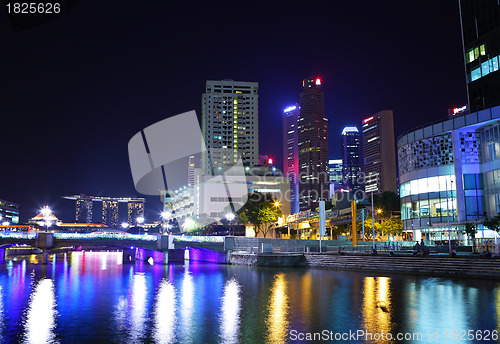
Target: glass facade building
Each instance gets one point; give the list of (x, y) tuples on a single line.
[(450, 172), (480, 21), (351, 161), (9, 212)]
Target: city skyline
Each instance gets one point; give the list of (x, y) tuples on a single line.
[(83, 112)]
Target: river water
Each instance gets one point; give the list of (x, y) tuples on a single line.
[(92, 297)]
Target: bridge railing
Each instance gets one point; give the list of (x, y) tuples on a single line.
[(82, 236), (199, 238)]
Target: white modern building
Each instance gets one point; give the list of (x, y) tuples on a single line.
[(449, 174), (230, 123)]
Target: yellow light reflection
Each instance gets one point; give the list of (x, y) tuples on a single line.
[(376, 308), (498, 309), (277, 321), (306, 295), (40, 320), (231, 307), (165, 313)]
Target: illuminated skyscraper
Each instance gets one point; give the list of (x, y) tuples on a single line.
[(110, 213), (83, 212), (379, 153), (335, 169), (480, 21), (312, 134), (351, 161), (291, 153), (230, 126), (135, 209)]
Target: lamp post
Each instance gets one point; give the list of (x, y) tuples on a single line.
[(46, 212), (165, 215), (125, 225), (373, 224), (140, 221), (448, 208), (230, 217)]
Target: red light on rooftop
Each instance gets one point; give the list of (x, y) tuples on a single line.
[(270, 161), (318, 81), (367, 120)]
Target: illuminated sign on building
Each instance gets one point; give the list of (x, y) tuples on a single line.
[(367, 120), (462, 110)]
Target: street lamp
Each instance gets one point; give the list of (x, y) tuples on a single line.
[(230, 217), (165, 215), (46, 212), (277, 204), (140, 221), (125, 225)]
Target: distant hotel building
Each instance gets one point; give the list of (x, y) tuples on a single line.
[(109, 214), (291, 153), (230, 123), (312, 134), (335, 169), (352, 178), (379, 153), (480, 21), (9, 212)]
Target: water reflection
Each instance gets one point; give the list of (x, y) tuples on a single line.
[(376, 307), (277, 321), (230, 308), (40, 319), (187, 300), (138, 316), (165, 313)]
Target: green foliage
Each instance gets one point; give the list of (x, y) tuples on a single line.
[(259, 211), (493, 223), (392, 226), (469, 230)]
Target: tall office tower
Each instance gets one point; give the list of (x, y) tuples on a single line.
[(351, 160), (481, 43), (379, 153), (312, 135), (291, 153), (83, 212), (230, 123), (335, 170), (110, 213), (134, 211)]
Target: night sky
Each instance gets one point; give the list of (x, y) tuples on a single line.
[(75, 89)]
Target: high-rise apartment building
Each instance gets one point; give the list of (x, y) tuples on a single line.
[(312, 135), (481, 42), (230, 123), (351, 160), (291, 153), (379, 153)]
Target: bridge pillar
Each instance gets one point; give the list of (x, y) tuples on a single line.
[(44, 240), (164, 242), (228, 244), (45, 257)]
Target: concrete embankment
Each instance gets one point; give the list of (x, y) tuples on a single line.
[(461, 266), (267, 259)]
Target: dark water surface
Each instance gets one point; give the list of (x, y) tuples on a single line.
[(92, 297)]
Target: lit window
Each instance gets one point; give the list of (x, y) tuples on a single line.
[(470, 56), (476, 53), (475, 74), (494, 64), (482, 50), (485, 68)]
